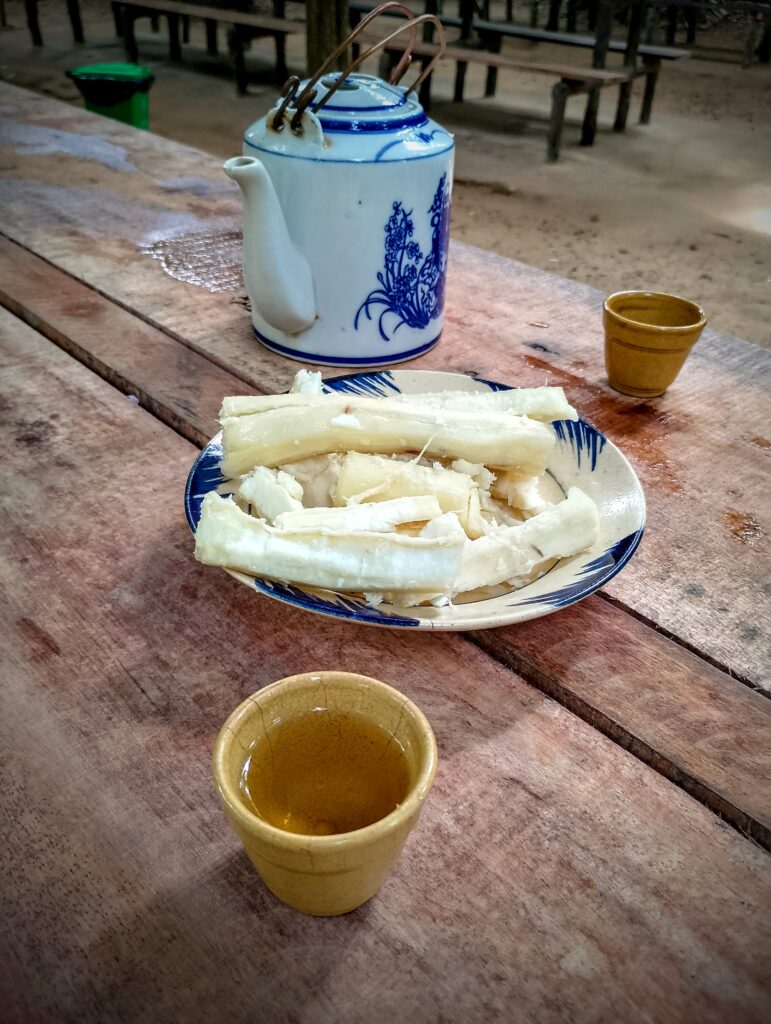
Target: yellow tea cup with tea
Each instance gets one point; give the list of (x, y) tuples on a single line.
[(648, 336), (323, 776)]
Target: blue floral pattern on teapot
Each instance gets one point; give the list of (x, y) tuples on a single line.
[(411, 284), (346, 220)]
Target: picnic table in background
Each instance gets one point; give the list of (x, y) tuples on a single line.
[(596, 843)]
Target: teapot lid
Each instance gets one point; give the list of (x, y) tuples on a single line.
[(366, 103), (365, 121)]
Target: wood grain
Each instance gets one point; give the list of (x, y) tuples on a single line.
[(174, 383), (694, 724), (130, 214), (552, 875)]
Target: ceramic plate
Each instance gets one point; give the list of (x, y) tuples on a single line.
[(583, 458)]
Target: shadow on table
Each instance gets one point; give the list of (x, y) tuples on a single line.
[(229, 641)]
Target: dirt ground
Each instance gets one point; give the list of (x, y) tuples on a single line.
[(683, 204)]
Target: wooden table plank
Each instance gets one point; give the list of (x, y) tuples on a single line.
[(705, 731), (551, 871), (177, 385), (144, 209)]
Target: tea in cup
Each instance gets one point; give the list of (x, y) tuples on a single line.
[(323, 776), (648, 336)]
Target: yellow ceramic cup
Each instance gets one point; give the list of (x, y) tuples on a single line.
[(324, 874), (648, 336)]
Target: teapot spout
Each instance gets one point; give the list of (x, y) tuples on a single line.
[(277, 276)]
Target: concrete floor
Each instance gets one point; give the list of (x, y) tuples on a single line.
[(683, 204)]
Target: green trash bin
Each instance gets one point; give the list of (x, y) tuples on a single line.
[(120, 91)]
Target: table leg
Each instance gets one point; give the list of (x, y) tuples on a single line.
[(559, 97), (622, 110), (636, 16), (73, 9), (185, 28), (690, 25), (129, 39), (460, 81), (651, 77), (589, 126), (651, 21), (553, 21), (30, 6), (175, 50), (466, 12), (491, 81), (599, 56), (211, 37), (763, 51), (571, 16), (672, 26), (424, 94), (533, 14), (117, 17), (282, 72), (239, 61)]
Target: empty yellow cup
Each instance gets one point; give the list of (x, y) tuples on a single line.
[(648, 336), (324, 874)]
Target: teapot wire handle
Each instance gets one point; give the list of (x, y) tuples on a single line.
[(308, 95)]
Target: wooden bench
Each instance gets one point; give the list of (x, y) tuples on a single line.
[(758, 15), (572, 81), (492, 33), (489, 37), (246, 26)]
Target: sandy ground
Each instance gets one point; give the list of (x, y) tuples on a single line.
[(683, 204)]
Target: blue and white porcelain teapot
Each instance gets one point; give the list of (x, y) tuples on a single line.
[(346, 189)]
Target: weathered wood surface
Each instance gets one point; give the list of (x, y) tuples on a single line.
[(694, 724), (552, 876), (140, 218), (174, 383)]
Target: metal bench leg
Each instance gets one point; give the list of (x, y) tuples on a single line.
[(460, 81), (651, 77), (129, 39), (622, 110), (572, 15), (553, 21), (211, 37), (690, 25), (30, 6), (425, 89), (282, 71), (763, 50), (491, 80), (589, 127), (175, 50), (155, 23), (117, 17), (559, 97), (239, 61), (636, 18), (73, 9)]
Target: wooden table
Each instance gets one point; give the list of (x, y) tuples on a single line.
[(595, 848)]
